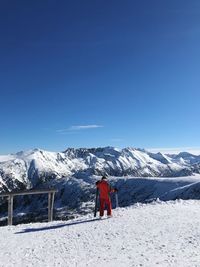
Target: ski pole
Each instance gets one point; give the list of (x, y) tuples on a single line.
[(96, 202), (116, 199)]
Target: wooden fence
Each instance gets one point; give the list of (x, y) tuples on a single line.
[(10, 195)]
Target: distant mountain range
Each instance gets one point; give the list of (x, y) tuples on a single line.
[(75, 171), (29, 168)]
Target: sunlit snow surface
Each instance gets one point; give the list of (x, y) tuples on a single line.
[(156, 234)]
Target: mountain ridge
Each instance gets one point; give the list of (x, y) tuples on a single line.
[(135, 172), (31, 168)]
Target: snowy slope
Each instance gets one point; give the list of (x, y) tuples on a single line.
[(76, 196), (157, 234)]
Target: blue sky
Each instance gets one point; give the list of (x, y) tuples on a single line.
[(99, 73)]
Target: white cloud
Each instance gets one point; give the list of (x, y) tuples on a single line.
[(78, 128), (83, 127)]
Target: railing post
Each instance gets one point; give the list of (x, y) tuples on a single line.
[(10, 209), (50, 206)]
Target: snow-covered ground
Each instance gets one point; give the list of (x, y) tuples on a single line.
[(156, 234)]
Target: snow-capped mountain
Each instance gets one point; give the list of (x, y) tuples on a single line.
[(29, 168), (75, 171)]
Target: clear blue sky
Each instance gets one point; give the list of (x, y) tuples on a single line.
[(98, 73)]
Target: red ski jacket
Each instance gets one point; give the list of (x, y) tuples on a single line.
[(104, 189)]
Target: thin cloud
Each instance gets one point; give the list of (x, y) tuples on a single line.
[(83, 127), (79, 128)]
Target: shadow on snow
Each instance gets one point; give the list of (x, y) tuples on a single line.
[(53, 227)]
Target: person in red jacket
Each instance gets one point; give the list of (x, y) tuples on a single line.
[(104, 196)]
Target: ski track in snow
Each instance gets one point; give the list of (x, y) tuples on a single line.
[(157, 234)]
